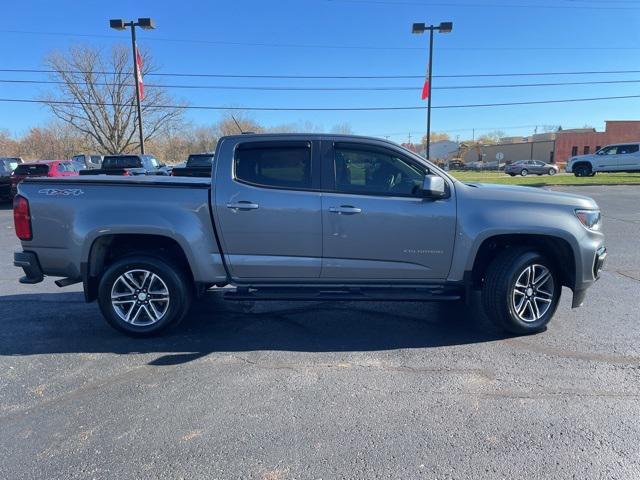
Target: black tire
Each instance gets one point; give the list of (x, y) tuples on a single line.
[(552, 171), (524, 172), (172, 279), (498, 297)]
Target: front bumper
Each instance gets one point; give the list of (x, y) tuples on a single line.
[(598, 264), (28, 261)]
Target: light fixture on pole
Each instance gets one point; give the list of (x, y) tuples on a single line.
[(420, 28), (145, 24)]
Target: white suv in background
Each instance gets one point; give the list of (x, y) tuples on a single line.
[(622, 157)]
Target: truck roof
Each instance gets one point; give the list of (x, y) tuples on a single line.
[(308, 136)]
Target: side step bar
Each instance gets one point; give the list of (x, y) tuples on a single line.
[(369, 294)]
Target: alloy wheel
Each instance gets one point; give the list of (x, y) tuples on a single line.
[(140, 297), (533, 293)]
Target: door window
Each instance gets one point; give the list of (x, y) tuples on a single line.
[(623, 149), (612, 150), (375, 173), (285, 166)]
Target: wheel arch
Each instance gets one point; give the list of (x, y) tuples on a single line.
[(106, 249), (557, 249)]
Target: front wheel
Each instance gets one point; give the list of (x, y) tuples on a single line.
[(524, 172), (143, 295), (521, 291), (552, 171)]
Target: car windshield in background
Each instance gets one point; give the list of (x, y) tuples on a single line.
[(121, 162), (200, 161), (31, 169)]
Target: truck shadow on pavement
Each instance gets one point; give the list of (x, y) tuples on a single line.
[(51, 323)]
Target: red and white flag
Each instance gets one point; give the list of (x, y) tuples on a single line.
[(140, 82), (426, 88)]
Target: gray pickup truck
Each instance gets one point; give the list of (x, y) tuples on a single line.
[(308, 217)]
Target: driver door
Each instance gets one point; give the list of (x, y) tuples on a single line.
[(376, 225)]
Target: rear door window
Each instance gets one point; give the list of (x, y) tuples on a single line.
[(285, 165), (624, 149)]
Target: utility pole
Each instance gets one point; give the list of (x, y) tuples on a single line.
[(146, 24)]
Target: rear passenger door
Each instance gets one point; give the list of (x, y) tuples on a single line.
[(268, 208), (628, 157)]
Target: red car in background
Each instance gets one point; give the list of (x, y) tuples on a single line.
[(43, 168)]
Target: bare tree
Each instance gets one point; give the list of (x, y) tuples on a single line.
[(97, 97)]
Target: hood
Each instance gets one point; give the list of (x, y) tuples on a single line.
[(520, 194), (591, 156)]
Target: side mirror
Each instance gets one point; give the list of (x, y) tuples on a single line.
[(433, 187)]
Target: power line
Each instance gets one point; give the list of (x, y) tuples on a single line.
[(316, 46), (328, 77), (320, 109), (354, 88), (482, 5)]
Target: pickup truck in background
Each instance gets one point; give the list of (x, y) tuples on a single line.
[(198, 165), (624, 157), (87, 162), (128, 165), (7, 166), (308, 217)]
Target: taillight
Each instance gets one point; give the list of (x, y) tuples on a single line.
[(22, 218), (126, 173)]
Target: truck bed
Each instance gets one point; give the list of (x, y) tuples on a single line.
[(142, 180)]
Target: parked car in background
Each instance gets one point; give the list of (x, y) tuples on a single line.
[(129, 165), (7, 166), (526, 167), (623, 157), (198, 165), (87, 162), (45, 168)]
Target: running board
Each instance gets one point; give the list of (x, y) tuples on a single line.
[(369, 294)]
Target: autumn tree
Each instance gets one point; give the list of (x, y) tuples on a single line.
[(96, 96), (435, 137)]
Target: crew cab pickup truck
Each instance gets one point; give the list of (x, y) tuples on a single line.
[(198, 165), (308, 217), (128, 165), (624, 157)]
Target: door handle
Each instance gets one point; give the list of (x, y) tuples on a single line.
[(345, 210), (242, 205)]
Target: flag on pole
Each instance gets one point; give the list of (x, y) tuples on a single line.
[(139, 79), (426, 88)]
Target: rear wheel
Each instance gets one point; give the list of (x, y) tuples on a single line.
[(524, 172), (520, 292), (143, 295)]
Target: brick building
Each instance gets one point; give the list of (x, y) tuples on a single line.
[(583, 141)]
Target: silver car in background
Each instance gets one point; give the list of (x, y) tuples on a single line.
[(525, 167)]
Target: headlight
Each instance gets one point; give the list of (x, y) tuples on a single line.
[(591, 219)]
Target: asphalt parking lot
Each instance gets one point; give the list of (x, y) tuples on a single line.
[(282, 390)]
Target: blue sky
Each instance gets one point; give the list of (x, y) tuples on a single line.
[(326, 37)]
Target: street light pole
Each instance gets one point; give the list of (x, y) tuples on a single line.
[(419, 28), (135, 80), (147, 24), (429, 97)]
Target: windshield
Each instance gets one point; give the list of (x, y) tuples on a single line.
[(123, 161)]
